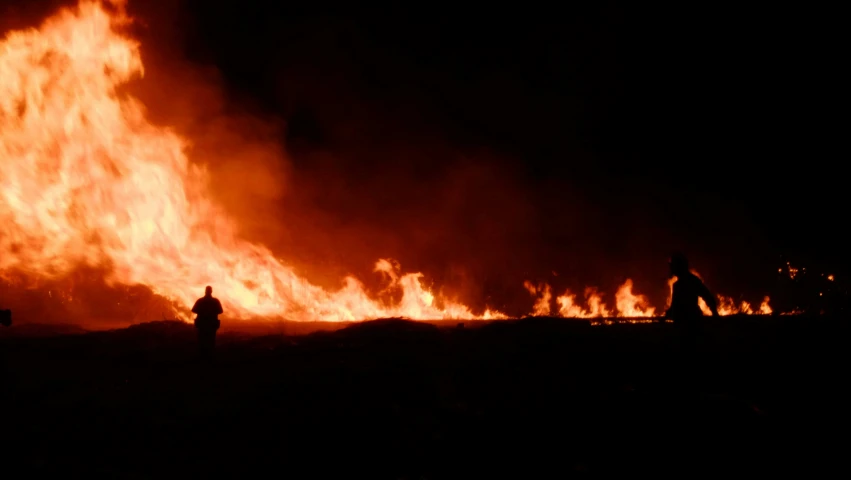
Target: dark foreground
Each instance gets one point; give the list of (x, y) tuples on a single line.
[(391, 399)]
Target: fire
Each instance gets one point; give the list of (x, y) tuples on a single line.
[(569, 308), (87, 180), (542, 304), (764, 307), (726, 305), (627, 303), (631, 305)]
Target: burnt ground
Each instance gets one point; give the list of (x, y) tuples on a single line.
[(392, 399)]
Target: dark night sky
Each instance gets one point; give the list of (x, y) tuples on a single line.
[(675, 110), (627, 131)]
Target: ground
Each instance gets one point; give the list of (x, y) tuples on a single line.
[(397, 399)]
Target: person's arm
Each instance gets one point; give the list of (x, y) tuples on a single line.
[(195, 307), (710, 300), (219, 307)]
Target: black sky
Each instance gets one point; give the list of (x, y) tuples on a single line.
[(627, 130), (723, 101)]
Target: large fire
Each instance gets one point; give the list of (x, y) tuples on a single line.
[(87, 181)]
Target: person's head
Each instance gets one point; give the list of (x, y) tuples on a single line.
[(208, 291), (678, 264)]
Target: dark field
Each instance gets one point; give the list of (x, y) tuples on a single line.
[(536, 398)]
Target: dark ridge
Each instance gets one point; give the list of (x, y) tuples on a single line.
[(41, 330), (389, 325)]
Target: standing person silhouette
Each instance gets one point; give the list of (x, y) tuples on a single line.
[(685, 310), (207, 308)]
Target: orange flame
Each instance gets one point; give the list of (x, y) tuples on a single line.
[(726, 305), (568, 308), (764, 307), (631, 305), (542, 304), (594, 301), (627, 303), (86, 180)]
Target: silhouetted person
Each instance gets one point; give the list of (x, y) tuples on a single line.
[(685, 310), (207, 310)]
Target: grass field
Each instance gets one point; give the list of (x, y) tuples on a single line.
[(531, 398)]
